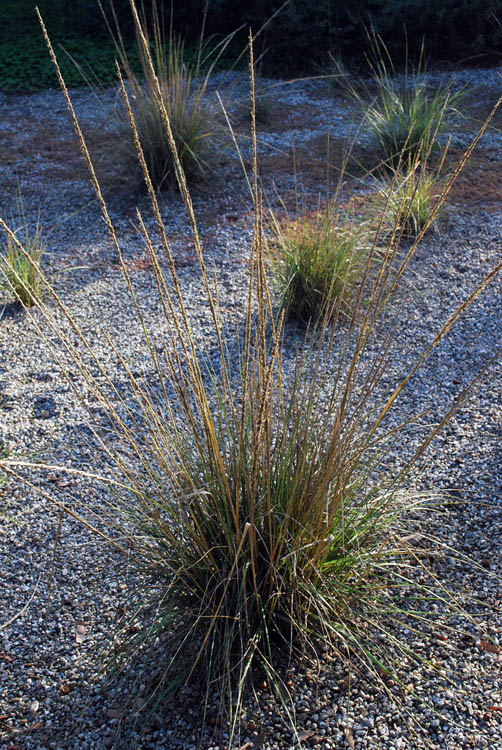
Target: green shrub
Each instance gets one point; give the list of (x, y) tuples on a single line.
[(24, 63), (255, 501), (315, 260), (301, 33), (304, 29)]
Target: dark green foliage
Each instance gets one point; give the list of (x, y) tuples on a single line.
[(452, 30), (294, 40), (25, 66), (24, 62), (76, 27), (62, 17)]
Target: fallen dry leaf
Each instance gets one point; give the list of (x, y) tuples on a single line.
[(350, 737), (490, 647), (6, 657), (65, 689), (13, 747)]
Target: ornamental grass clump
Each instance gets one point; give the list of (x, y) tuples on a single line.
[(182, 82), (315, 261), (20, 256), (405, 115), (264, 106), (252, 492), (408, 200), (412, 200), (336, 72)]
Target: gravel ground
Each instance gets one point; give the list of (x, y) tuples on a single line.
[(61, 590)]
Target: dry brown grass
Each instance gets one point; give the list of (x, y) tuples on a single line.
[(480, 184)]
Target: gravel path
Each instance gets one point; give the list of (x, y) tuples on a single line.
[(62, 590)]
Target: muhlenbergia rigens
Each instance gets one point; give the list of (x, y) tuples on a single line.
[(251, 492)]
